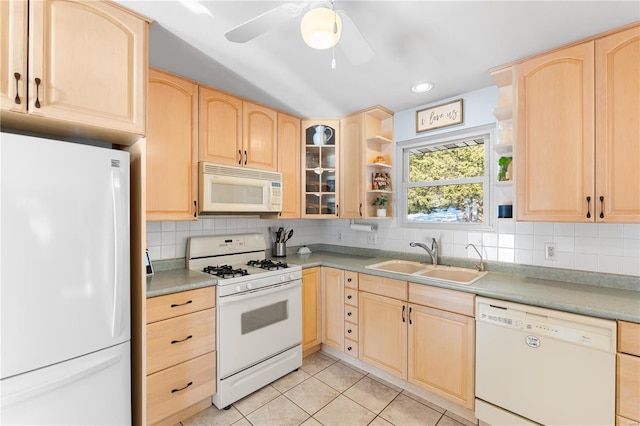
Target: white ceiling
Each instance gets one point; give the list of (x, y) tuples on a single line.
[(451, 43)]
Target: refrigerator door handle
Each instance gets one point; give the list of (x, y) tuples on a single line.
[(119, 207), (52, 385)]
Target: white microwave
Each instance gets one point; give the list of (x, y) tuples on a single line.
[(238, 190)]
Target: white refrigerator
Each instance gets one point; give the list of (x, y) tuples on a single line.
[(64, 283)]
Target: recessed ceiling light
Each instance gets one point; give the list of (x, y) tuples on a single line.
[(422, 87)]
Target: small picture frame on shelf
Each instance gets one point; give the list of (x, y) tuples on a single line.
[(380, 181)]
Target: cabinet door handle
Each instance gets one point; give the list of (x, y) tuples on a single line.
[(178, 390), (337, 210), (349, 297), (403, 308), (601, 207), (195, 208), (245, 157), (360, 209), (349, 314), (349, 331), (17, 99), (410, 309), (349, 348), (240, 157), (348, 280), (38, 92), (173, 342), (588, 207), (175, 305)]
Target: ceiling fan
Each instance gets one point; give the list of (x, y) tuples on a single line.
[(322, 27)]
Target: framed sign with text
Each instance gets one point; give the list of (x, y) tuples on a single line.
[(438, 116)]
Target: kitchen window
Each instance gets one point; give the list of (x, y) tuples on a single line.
[(445, 180)]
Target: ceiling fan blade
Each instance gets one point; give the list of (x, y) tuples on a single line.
[(263, 23), (352, 42)]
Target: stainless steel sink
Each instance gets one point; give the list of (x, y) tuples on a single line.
[(452, 274), (398, 266), (444, 273)]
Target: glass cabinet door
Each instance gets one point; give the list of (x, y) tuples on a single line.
[(320, 165)]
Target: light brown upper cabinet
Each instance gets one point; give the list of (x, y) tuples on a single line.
[(351, 170), (289, 164), (87, 68), (260, 137), (220, 127), (236, 132), (320, 168), (565, 171), (172, 147)]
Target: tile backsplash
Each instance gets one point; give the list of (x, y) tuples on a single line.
[(608, 248)]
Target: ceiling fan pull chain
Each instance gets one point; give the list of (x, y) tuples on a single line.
[(333, 58)]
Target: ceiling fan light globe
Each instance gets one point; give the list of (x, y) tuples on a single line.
[(317, 27)]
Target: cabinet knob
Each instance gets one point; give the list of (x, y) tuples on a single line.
[(349, 297), (349, 348), (349, 314), (348, 280), (349, 331), (601, 207), (17, 99), (37, 104)]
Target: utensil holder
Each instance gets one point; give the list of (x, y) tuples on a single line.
[(279, 249)]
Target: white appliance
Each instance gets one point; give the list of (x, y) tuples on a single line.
[(540, 366), (64, 283), (225, 189), (258, 313)]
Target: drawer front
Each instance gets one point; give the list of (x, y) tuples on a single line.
[(629, 337), (351, 297), (351, 331), (395, 289), (176, 304), (351, 314), (628, 387), (442, 298), (176, 388), (351, 347), (175, 340), (351, 279)]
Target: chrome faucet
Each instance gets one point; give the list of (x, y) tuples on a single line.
[(479, 266), (433, 251)]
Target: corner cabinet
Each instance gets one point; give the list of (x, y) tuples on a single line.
[(566, 172), (87, 65), (320, 171), (366, 163), (172, 147)]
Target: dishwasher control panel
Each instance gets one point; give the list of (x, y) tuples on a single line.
[(537, 322)]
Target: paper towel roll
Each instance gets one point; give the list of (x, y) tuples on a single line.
[(361, 227)]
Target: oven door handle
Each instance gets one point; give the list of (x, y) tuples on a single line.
[(226, 300)]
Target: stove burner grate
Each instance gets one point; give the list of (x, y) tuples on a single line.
[(267, 264), (225, 271)]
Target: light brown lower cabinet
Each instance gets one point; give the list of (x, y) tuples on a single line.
[(311, 311), (628, 374), (333, 308), (422, 334), (181, 356)]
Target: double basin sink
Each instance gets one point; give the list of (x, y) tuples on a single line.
[(444, 273)]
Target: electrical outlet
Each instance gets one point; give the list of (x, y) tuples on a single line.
[(550, 251), (372, 238), (340, 236)]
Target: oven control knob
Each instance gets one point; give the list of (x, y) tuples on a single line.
[(237, 289), (291, 276), (282, 278), (249, 286)]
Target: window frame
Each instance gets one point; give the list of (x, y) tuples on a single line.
[(402, 175)]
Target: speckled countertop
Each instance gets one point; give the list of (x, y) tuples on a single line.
[(598, 295)]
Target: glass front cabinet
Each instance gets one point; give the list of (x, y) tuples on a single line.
[(320, 168)]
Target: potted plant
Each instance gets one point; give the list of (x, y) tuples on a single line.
[(503, 172), (381, 202)]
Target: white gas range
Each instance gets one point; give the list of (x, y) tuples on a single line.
[(258, 312)]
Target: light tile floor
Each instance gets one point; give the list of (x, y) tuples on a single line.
[(326, 391)]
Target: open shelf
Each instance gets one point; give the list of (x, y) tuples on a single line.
[(379, 139)]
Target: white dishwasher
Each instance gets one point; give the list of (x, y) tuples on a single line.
[(541, 366)]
